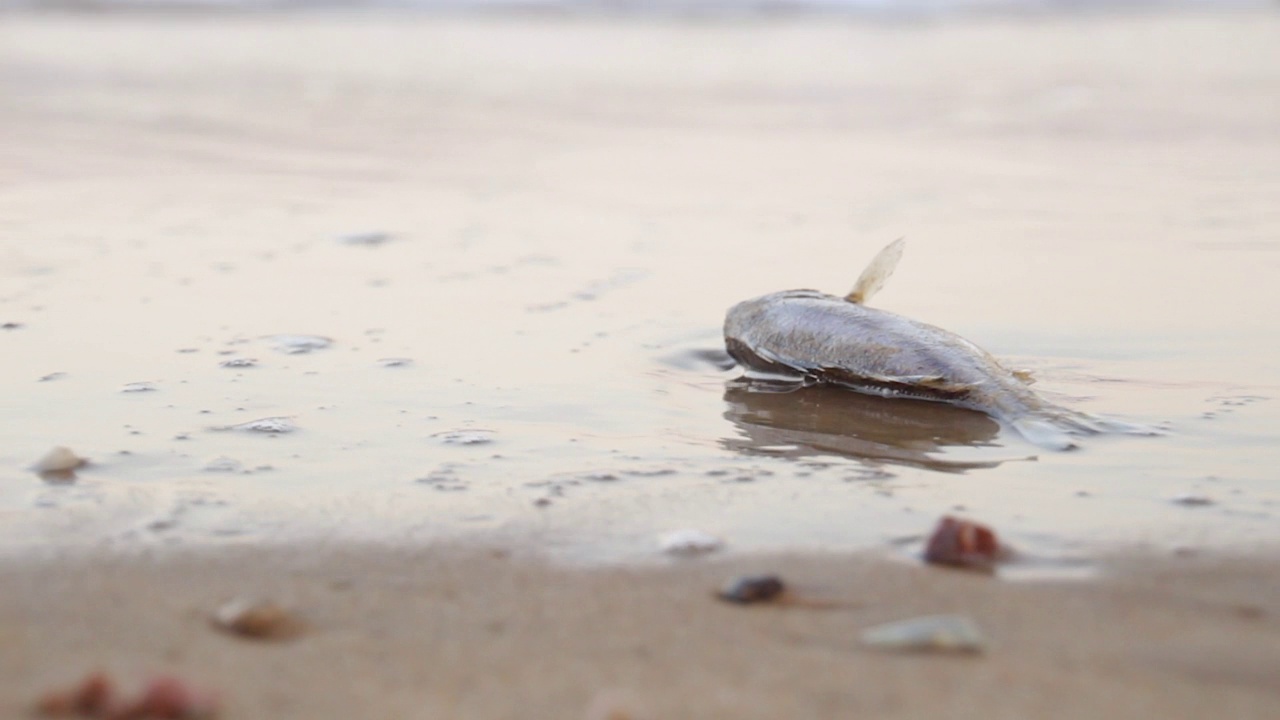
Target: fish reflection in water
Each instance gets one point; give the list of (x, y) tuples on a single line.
[(796, 422)]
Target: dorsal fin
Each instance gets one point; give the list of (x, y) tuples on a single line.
[(878, 270)]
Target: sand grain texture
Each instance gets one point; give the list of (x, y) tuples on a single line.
[(450, 632)]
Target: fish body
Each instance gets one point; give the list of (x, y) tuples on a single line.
[(816, 337)]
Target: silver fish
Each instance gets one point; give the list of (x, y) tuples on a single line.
[(812, 337)]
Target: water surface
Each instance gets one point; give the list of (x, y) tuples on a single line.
[(475, 270)]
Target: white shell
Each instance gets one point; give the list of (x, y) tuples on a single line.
[(953, 633), (256, 619), (689, 542), (59, 460)]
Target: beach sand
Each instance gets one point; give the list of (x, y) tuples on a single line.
[(151, 163), (462, 633)]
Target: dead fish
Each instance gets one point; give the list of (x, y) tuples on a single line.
[(811, 337)]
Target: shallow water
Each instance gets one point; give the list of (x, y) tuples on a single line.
[(474, 283)]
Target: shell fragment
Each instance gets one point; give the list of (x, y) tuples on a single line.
[(931, 633)]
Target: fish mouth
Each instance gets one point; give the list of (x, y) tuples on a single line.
[(755, 363)]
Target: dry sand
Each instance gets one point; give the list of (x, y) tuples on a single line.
[(237, 131)]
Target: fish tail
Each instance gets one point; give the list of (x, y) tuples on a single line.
[(1047, 432), (1056, 428)]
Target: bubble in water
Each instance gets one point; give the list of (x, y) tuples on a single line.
[(444, 478), (739, 475), (650, 472), (368, 239), (299, 344), (465, 437), (270, 425), (223, 465)]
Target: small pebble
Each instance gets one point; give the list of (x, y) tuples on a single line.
[(171, 699), (750, 589), (92, 696), (260, 620), (1191, 500), (163, 698)]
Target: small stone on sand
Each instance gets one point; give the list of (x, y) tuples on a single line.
[(750, 589), (259, 620)]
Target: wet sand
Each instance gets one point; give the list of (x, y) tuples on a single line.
[(547, 219), (449, 632), (569, 207)]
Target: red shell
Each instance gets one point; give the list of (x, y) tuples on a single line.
[(169, 698), (90, 698), (961, 543), (162, 698)]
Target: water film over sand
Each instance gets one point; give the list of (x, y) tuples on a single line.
[(417, 279)]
